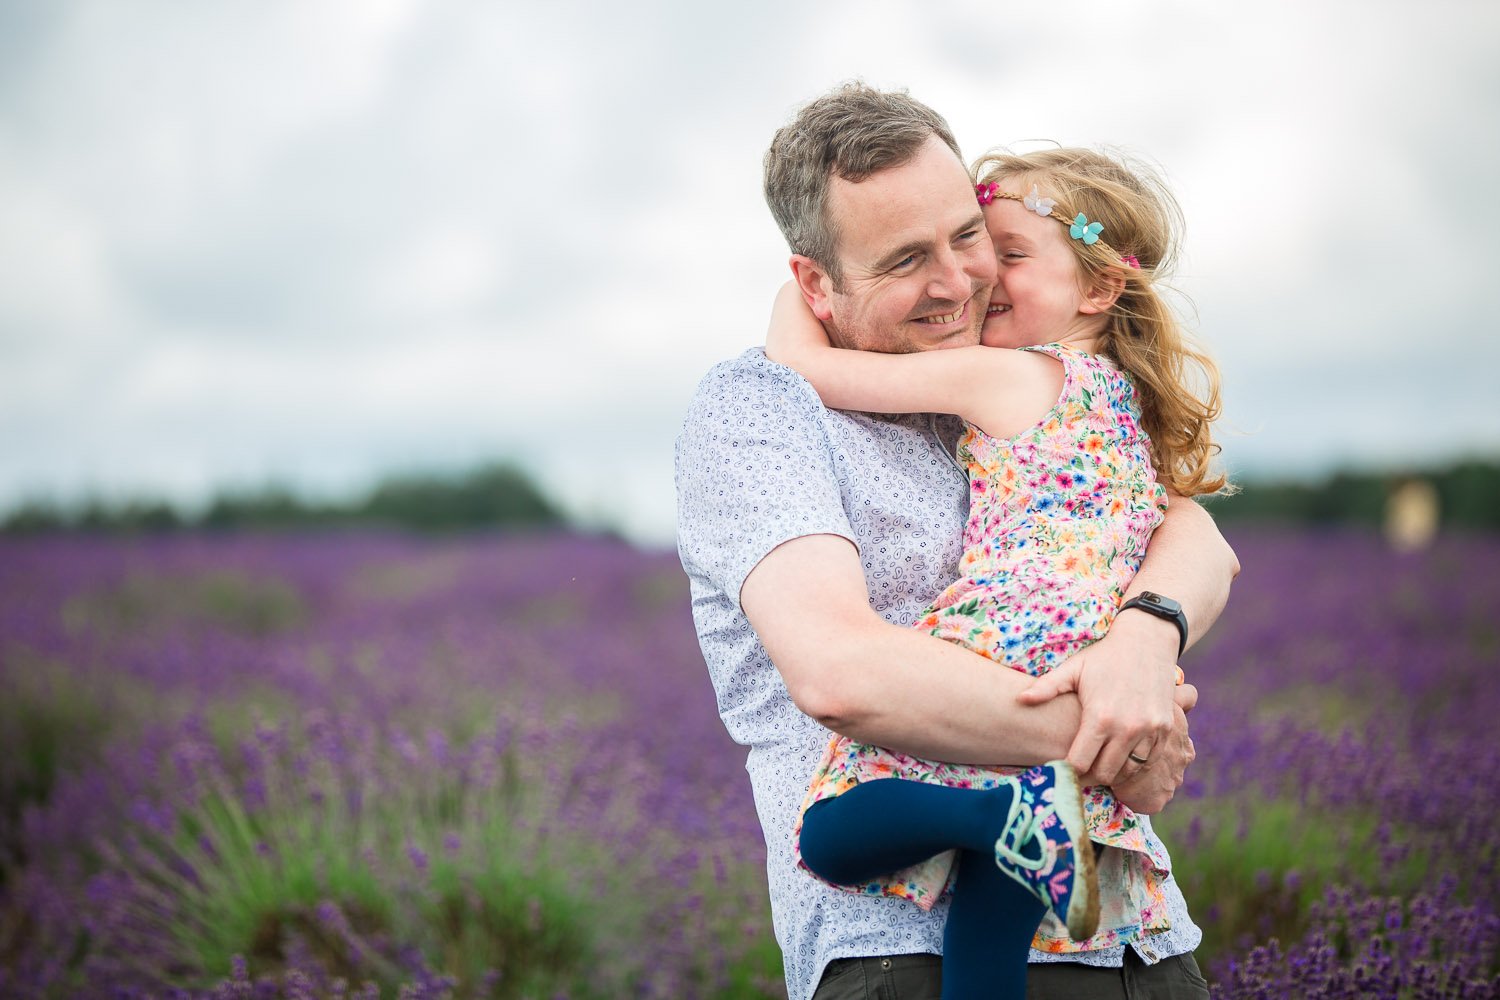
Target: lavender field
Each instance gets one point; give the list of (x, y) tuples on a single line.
[(354, 765)]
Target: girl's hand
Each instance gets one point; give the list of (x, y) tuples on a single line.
[(795, 335)]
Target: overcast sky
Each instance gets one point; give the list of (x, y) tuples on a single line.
[(311, 243)]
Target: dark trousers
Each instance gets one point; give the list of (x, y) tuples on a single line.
[(920, 977)]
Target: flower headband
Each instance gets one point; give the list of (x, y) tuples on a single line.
[(1079, 229)]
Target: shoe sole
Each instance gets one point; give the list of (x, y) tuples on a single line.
[(1083, 908)]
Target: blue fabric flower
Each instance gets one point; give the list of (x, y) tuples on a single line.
[(1083, 229)]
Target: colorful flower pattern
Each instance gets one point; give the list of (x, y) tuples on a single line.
[(1059, 518)]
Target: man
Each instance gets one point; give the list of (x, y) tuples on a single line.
[(813, 538)]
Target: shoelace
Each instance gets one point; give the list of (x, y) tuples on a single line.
[(1020, 828)]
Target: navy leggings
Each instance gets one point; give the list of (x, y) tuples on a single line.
[(879, 827)]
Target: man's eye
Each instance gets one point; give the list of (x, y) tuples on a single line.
[(904, 262), (968, 237)]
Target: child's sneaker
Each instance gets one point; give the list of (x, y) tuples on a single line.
[(1045, 846)]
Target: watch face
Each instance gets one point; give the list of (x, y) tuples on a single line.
[(1165, 603)]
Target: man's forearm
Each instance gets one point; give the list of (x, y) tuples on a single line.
[(917, 694), (884, 684)]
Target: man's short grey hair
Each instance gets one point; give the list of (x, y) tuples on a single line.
[(851, 133)]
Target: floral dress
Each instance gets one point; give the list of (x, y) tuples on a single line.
[(1059, 518)]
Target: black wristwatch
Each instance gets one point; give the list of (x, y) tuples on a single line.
[(1161, 607)]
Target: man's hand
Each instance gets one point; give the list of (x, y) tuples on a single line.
[(1125, 684), (1151, 787)]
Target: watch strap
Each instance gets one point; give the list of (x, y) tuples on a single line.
[(1164, 608)]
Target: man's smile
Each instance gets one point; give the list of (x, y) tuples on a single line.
[(952, 317)]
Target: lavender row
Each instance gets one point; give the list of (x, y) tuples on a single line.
[(1337, 836), (323, 765), (526, 717)]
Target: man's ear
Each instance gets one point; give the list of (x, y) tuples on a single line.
[(815, 285), (1107, 289)]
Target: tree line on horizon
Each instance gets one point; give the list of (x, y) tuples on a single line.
[(498, 495), (502, 496), (1467, 495)]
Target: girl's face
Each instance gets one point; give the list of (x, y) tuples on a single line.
[(1038, 298)]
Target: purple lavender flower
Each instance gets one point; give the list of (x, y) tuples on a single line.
[(388, 762)]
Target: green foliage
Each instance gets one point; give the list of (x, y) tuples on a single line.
[(1469, 494), (758, 973), (324, 864), (1254, 867), (55, 717), (49, 722), (344, 858), (530, 927), (1468, 497), (224, 599), (271, 508), (498, 495)]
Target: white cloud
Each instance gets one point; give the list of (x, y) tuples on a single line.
[(314, 241), (447, 270), (58, 282)]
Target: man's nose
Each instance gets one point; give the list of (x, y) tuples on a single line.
[(949, 280)]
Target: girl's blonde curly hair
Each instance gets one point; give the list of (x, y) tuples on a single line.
[(1177, 383)]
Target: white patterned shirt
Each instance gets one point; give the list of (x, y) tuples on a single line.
[(760, 461)]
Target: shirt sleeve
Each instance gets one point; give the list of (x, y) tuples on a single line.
[(755, 468)]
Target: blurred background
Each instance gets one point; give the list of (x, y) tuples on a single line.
[(299, 248), (460, 265)]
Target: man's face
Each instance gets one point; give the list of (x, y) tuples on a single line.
[(917, 262)]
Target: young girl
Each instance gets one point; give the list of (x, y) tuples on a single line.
[(1072, 436)]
